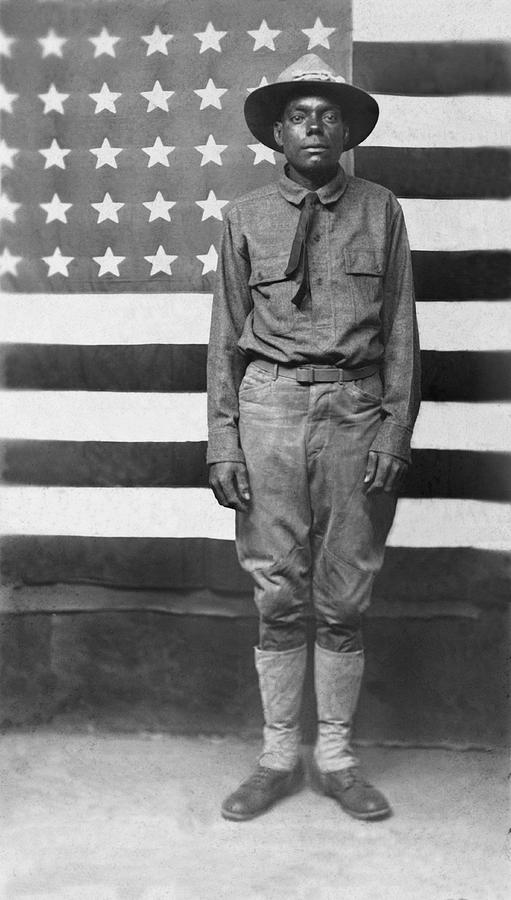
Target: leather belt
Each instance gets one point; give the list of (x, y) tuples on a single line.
[(313, 374)]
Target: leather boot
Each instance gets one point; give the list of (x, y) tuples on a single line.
[(281, 675), (357, 797), (338, 677), (260, 791)]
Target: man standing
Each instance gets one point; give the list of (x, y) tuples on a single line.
[(313, 384)]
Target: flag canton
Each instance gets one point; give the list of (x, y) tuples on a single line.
[(123, 135)]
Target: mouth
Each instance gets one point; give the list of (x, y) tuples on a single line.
[(316, 148)]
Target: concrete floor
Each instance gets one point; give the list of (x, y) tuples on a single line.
[(109, 817)]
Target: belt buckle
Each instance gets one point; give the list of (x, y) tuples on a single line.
[(305, 375)]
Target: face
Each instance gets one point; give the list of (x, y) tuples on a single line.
[(312, 135)]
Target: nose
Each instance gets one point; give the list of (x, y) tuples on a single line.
[(314, 124)]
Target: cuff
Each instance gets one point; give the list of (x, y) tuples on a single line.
[(224, 446), (393, 439)]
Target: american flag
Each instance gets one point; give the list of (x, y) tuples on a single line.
[(122, 141)]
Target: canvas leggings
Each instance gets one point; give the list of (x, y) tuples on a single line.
[(311, 535)]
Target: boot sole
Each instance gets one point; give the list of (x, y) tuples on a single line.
[(295, 787)]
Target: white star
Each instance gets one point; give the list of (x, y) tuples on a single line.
[(108, 262), (57, 264), (210, 95), (106, 154), (157, 97), (211, 207), (104, 43), (211, 151), (9, 263), (209, 260), (7, 154), (107, 209), (54, 155), (8, 208), (262, 153), (56, 210), (53, 101), (161, 261), (52, 44), (264, 36), (5, 45), (318, 35), (210, 39), (158, 153), (262, 83), (105, 99), (157, 41), (6, 99), (159, 208)]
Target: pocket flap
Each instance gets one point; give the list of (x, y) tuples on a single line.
[(363, 261), (269, 270)]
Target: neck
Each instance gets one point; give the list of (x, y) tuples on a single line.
[(312, 180)]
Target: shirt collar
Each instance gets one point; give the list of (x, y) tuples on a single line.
[(328, 193)]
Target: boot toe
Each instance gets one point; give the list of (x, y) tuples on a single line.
[(358, 798), (260, 791)]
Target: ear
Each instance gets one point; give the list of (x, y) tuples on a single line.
[(346, 135), (277, 133)]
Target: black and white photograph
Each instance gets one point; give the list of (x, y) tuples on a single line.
[(255, 445)]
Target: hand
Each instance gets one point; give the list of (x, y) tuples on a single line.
[(229, 483), (384, 472)]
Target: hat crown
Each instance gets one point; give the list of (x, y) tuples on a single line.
[(309, 68)]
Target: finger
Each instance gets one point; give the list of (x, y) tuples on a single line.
[(379, 477), (242, 484), (217, 489), (372, 463), (392, 476), (233, 500)]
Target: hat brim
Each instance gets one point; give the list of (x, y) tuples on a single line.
[(264, 106)]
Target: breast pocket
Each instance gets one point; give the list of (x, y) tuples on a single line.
[(272, 294), (364, 269)]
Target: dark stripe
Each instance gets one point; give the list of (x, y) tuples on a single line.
[(445, 574), (105, 464), (462, 275), (460, 474), (432, 69), (466, 376), (435, 473), (145, 367), (438, 173), (447, 376)]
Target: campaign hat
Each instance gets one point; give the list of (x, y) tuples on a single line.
[(310, 75)]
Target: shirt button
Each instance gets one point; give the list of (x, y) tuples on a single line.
[(319, 281), (317, 237)]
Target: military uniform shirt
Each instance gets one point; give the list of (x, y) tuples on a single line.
[(360, 308)]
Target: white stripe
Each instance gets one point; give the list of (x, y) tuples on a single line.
[(452, 225), (431, 20), (114, 319), (102, 416), (464, 121), (105, 318), (111, 416), (475, 325), (436, 522), (193, 512), (464, 426)]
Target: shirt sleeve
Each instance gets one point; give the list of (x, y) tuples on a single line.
[(232, 304), (401, 365)]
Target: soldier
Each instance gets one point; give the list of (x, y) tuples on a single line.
[(313, 391)]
